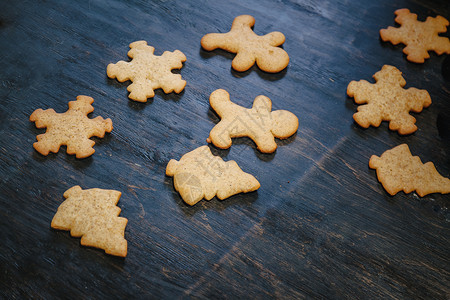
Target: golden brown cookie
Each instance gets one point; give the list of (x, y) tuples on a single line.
[(387, 100), (259, 123), (398, 170), (199, 174), (72, 128), (249, 47), (419, 37), (148, 71), (93, 215)]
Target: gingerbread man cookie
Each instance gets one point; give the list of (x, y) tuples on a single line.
[(148, 71), (259, 123), (398, 170), (72, 128), (249, 47), (387, 100), (419, 37), (199, 174), (93, 215)]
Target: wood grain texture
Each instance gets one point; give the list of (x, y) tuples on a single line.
[(320, 226)]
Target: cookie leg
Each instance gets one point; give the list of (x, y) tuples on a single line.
[(243, 61), (220, 136), (265, 142)]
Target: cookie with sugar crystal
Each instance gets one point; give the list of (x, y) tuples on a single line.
[(259, 123), (148, 71), (419, 37), (199, 174), (398, 170), (249, 47), (72, 128), (93, 215), (387, 100)]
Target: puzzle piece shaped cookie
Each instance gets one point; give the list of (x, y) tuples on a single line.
[(72, 128), (419, 37), (93, 215), (148, 71), (249, 47), (387, 100), (258, 123), (199, 174), (398, 170)]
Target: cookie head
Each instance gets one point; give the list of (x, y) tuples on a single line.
[(284, 124)]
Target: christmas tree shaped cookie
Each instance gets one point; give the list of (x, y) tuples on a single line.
[(148, 71), (419, 37), (199, 174), (249, 47), (93, 215), (387, 100), (259, 123), (399, 171), (72, 128)]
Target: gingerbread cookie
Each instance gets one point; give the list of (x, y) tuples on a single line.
[(199, 174), (249, 47), (93, 215), (419, 37), (148, 71), (398, 170), (258, 123), (387, 100), (72, 128)]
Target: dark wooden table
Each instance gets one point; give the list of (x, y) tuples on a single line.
[(320, 226)]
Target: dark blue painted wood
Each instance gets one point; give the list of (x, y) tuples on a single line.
[(320, 226)]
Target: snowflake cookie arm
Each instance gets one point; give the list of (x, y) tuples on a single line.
[(171, 82), (441, 44), (367, 114), (45, 143)]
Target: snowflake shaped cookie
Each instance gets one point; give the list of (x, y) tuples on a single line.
[(387, 100), (72, 128), (419, 37), (148, 71), (249, 46)]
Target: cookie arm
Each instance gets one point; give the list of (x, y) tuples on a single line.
[(220, 101), (274, 38), (212, 41)]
